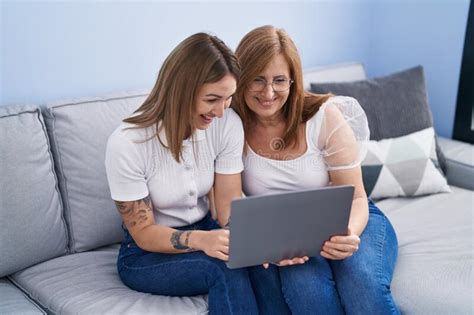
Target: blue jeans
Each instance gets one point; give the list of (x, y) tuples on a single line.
[(195, 273), (359, 284)]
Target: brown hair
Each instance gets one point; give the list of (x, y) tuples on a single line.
[(201, 58), (255, 51)]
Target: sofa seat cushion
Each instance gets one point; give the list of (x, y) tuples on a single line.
[(433, 274), (14, 301), (88, 283)]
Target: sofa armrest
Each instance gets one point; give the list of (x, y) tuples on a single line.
[(459, 162)]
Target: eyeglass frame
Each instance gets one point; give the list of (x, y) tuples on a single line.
[(291, 81)]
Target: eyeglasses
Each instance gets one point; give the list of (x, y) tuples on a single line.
[(278, 85)]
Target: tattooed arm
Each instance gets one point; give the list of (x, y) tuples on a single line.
[(226, 188), (138, 218)]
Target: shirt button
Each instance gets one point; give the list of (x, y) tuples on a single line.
[(188, 168), (191, 193), (191, 207)]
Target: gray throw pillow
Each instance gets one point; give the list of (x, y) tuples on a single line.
[(396, 105)]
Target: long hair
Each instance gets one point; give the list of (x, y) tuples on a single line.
[(199, 59), (255, 51)]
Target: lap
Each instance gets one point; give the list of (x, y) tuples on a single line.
[(377, 251)]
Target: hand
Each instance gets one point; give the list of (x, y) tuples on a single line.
[(340, 247), (289, 262), (214, 243)]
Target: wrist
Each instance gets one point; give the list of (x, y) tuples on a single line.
[(195, 239)]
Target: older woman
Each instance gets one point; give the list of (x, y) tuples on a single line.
[(298, 140)]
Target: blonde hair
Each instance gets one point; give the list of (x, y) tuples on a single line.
[(255, 51), (199, 59)]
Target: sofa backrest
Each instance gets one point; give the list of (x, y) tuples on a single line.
[(32, 228), (79, 130), (341, 72)]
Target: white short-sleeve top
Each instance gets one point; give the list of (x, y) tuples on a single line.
[(137, 168), (335, 118)]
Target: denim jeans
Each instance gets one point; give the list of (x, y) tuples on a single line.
[(195, 273), (359, 284)]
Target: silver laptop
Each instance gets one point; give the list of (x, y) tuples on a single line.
[(270, 228)]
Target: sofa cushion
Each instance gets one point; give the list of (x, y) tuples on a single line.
[(88, 283), (340, 72), (14, 301), (433, 274), (32, 228), (79, 130), (395, 105), (403, 166)]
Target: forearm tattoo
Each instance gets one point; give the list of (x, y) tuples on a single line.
[(134, 212), (176, 240)]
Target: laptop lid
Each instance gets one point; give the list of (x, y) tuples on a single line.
[(270, 228)]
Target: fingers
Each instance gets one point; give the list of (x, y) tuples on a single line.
[(347, 239), (223, 248), (293, 261), (330, 256), (335, 254), (288, 262), (341, 247), (223, 237), (220, 255)]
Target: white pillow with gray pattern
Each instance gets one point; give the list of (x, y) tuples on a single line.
[(403, 166)]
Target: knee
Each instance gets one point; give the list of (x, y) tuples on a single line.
[(310, 282), (366, 292)]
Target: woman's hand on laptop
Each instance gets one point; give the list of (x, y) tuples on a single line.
[(214, 243), (289, 262), (341, 246)]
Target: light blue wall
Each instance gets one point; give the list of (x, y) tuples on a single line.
[(64, 49), (431, 33), (56, 50)]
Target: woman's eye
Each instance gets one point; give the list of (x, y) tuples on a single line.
[(258, 80), (280, 80), (211, 101)]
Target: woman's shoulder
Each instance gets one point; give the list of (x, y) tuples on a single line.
[(230, 119), (340, 101), (337, 110), (338, 105), (126, 134)]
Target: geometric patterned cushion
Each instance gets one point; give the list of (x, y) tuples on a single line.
[(403, 166)]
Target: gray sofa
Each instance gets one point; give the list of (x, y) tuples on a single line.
[(60, 232)]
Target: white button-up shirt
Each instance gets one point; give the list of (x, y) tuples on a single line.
[(137, 168)]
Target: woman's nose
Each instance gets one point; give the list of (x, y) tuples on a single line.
[(268, 91), (219, 109)]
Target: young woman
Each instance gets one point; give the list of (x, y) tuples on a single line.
[(161, 163), (298, 140)]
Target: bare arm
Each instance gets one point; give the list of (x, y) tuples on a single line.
[(138, 218), (226, 188), (359, 210), (342, 157), (343, 150)]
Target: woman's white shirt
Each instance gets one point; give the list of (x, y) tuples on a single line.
[(137, 168), (325, 151)]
